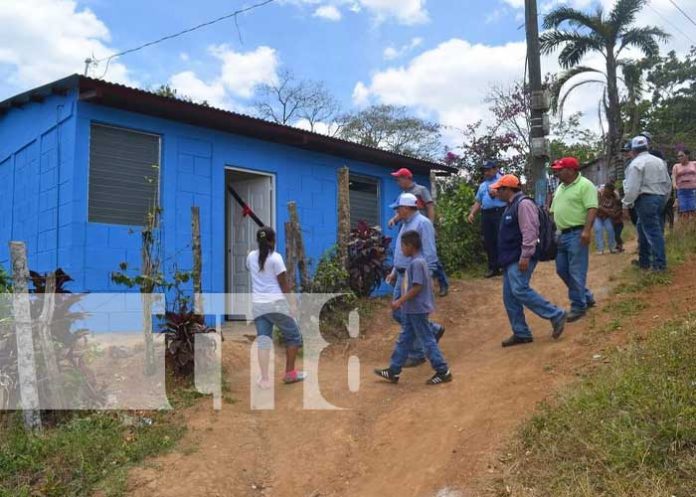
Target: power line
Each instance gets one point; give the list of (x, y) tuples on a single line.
[(682, 11), (671, 23), (92, 61)]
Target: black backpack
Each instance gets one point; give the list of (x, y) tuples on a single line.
[(546, 248)]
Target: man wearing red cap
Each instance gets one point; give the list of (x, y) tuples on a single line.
[(574, 209), (426, 206)]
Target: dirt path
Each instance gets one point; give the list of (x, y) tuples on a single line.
[(405, 440)]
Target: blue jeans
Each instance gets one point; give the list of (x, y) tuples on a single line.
[(417, 328), (438, 272), (417, 352), (275, 314), (517, 294), (651, 235), (572, 262), (600, 226)]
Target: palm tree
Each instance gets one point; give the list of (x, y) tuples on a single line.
[(577, 34)]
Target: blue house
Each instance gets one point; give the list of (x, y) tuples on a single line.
[(82, 160)]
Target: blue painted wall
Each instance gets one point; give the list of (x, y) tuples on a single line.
[(49, 196), (37, 156)]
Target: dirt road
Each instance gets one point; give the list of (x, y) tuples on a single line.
[(405, 440)]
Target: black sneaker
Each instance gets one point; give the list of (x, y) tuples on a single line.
[(515, 340), (444, 291), (591, 303), (387, 374), (573, 316), (492, 273), (559, 326), (413, 363), (438, 378), (439, 333)]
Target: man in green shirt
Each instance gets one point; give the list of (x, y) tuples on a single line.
[(574, 209)]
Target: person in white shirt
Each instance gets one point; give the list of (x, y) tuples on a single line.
[(648, 188), (269, 284)]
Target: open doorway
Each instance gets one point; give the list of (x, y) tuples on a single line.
[(257, 191)]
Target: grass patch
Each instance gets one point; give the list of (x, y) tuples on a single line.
[(88, 451), (628, 430), (625, 308)]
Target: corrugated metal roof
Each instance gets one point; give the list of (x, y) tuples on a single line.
[(145, 102)]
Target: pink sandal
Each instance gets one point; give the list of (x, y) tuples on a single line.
[(294, 376)]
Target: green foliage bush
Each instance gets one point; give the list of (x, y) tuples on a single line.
[(459, 243)]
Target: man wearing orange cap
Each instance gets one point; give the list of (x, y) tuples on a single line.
[(574, 209), (518, 238)]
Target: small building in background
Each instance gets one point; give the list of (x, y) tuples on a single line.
[(83, 160)]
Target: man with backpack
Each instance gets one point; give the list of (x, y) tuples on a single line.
[(526, 236)]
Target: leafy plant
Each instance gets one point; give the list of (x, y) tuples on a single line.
[(459, 243), (180, 330), (5, 281), (367, 259), (72, 356)]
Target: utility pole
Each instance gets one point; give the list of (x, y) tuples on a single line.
[(539, 105)]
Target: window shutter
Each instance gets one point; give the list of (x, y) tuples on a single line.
[(123, 175), (364, 200)]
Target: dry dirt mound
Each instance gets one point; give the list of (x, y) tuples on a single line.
[(405, 440)]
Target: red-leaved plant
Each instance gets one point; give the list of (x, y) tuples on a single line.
[(368, 249)]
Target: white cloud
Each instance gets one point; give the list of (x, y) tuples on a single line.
[(44, 40), (408, 12), (243, 72), (328, 12), (240, 74), (450, 82), (184, 57), (190, 85), (391, 53)]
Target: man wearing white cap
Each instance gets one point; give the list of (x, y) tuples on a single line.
[(648, 188), (412, 220)]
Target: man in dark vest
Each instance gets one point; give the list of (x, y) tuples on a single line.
[(517, 246)]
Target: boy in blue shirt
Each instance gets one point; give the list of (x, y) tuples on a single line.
[(416, 303)]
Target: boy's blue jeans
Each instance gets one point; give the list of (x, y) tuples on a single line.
[(572, 262), (417, 353), (600, 226), (517, 294), (651, 235), (417, 328)]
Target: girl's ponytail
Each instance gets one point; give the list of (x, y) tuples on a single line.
[(265, 237)]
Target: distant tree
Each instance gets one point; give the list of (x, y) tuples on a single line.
[(167, 91), (577, 34), (671, 110), (291, 100), (393, 128), (569, 138)]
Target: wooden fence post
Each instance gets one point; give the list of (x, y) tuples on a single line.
[(26, 360), (146, 290), (48, 349), (343, 214), (197, 259), (299, 245), (291, 254)]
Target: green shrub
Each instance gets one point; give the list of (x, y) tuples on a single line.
[(459, 243), (626, 431)]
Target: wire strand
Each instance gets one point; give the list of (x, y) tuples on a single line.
[(682, 11), (180, 33), (664, 18)]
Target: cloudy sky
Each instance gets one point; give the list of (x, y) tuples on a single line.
[(438, 57)]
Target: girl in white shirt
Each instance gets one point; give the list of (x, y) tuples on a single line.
[(269, 284)]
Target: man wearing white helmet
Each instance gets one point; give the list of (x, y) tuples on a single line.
[(648, 188), (412, 220)]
